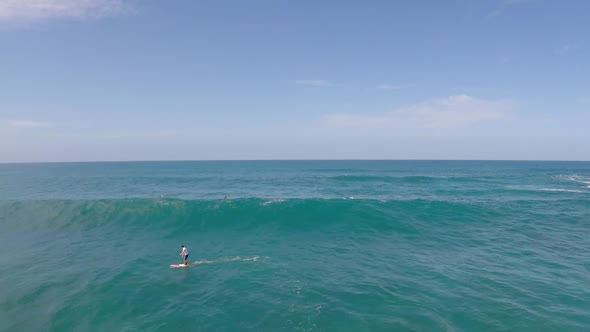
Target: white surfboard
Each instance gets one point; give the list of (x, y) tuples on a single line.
[(175, 266)]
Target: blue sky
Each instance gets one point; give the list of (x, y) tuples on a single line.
[(266, 79)]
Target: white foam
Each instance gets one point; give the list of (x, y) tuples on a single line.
[(229, 259), (273, 201), (562, 190), (580, 179)]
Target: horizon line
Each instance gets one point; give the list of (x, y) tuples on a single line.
[(283, 160)]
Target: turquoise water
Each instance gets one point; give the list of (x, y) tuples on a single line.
[(296, 246)]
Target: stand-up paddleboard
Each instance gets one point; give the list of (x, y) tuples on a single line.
[(175, 266)]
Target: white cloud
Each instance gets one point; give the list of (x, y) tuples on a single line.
[(38, 10), (136, 134), (506, 3), (450, 112), (28, 124), (393, 87), (568, 48), (515, 2), (122, 134), (322, 83)]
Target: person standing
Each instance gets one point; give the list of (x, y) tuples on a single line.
[(184, 254)]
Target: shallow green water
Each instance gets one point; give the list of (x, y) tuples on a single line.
[(296, 246)]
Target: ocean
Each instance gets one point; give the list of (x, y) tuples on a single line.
[(296, 246)]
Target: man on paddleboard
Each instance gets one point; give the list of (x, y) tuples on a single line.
[(184, 254)]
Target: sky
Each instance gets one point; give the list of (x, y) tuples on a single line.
[(109, 80)]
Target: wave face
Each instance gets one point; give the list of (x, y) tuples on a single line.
[(295, 246)]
